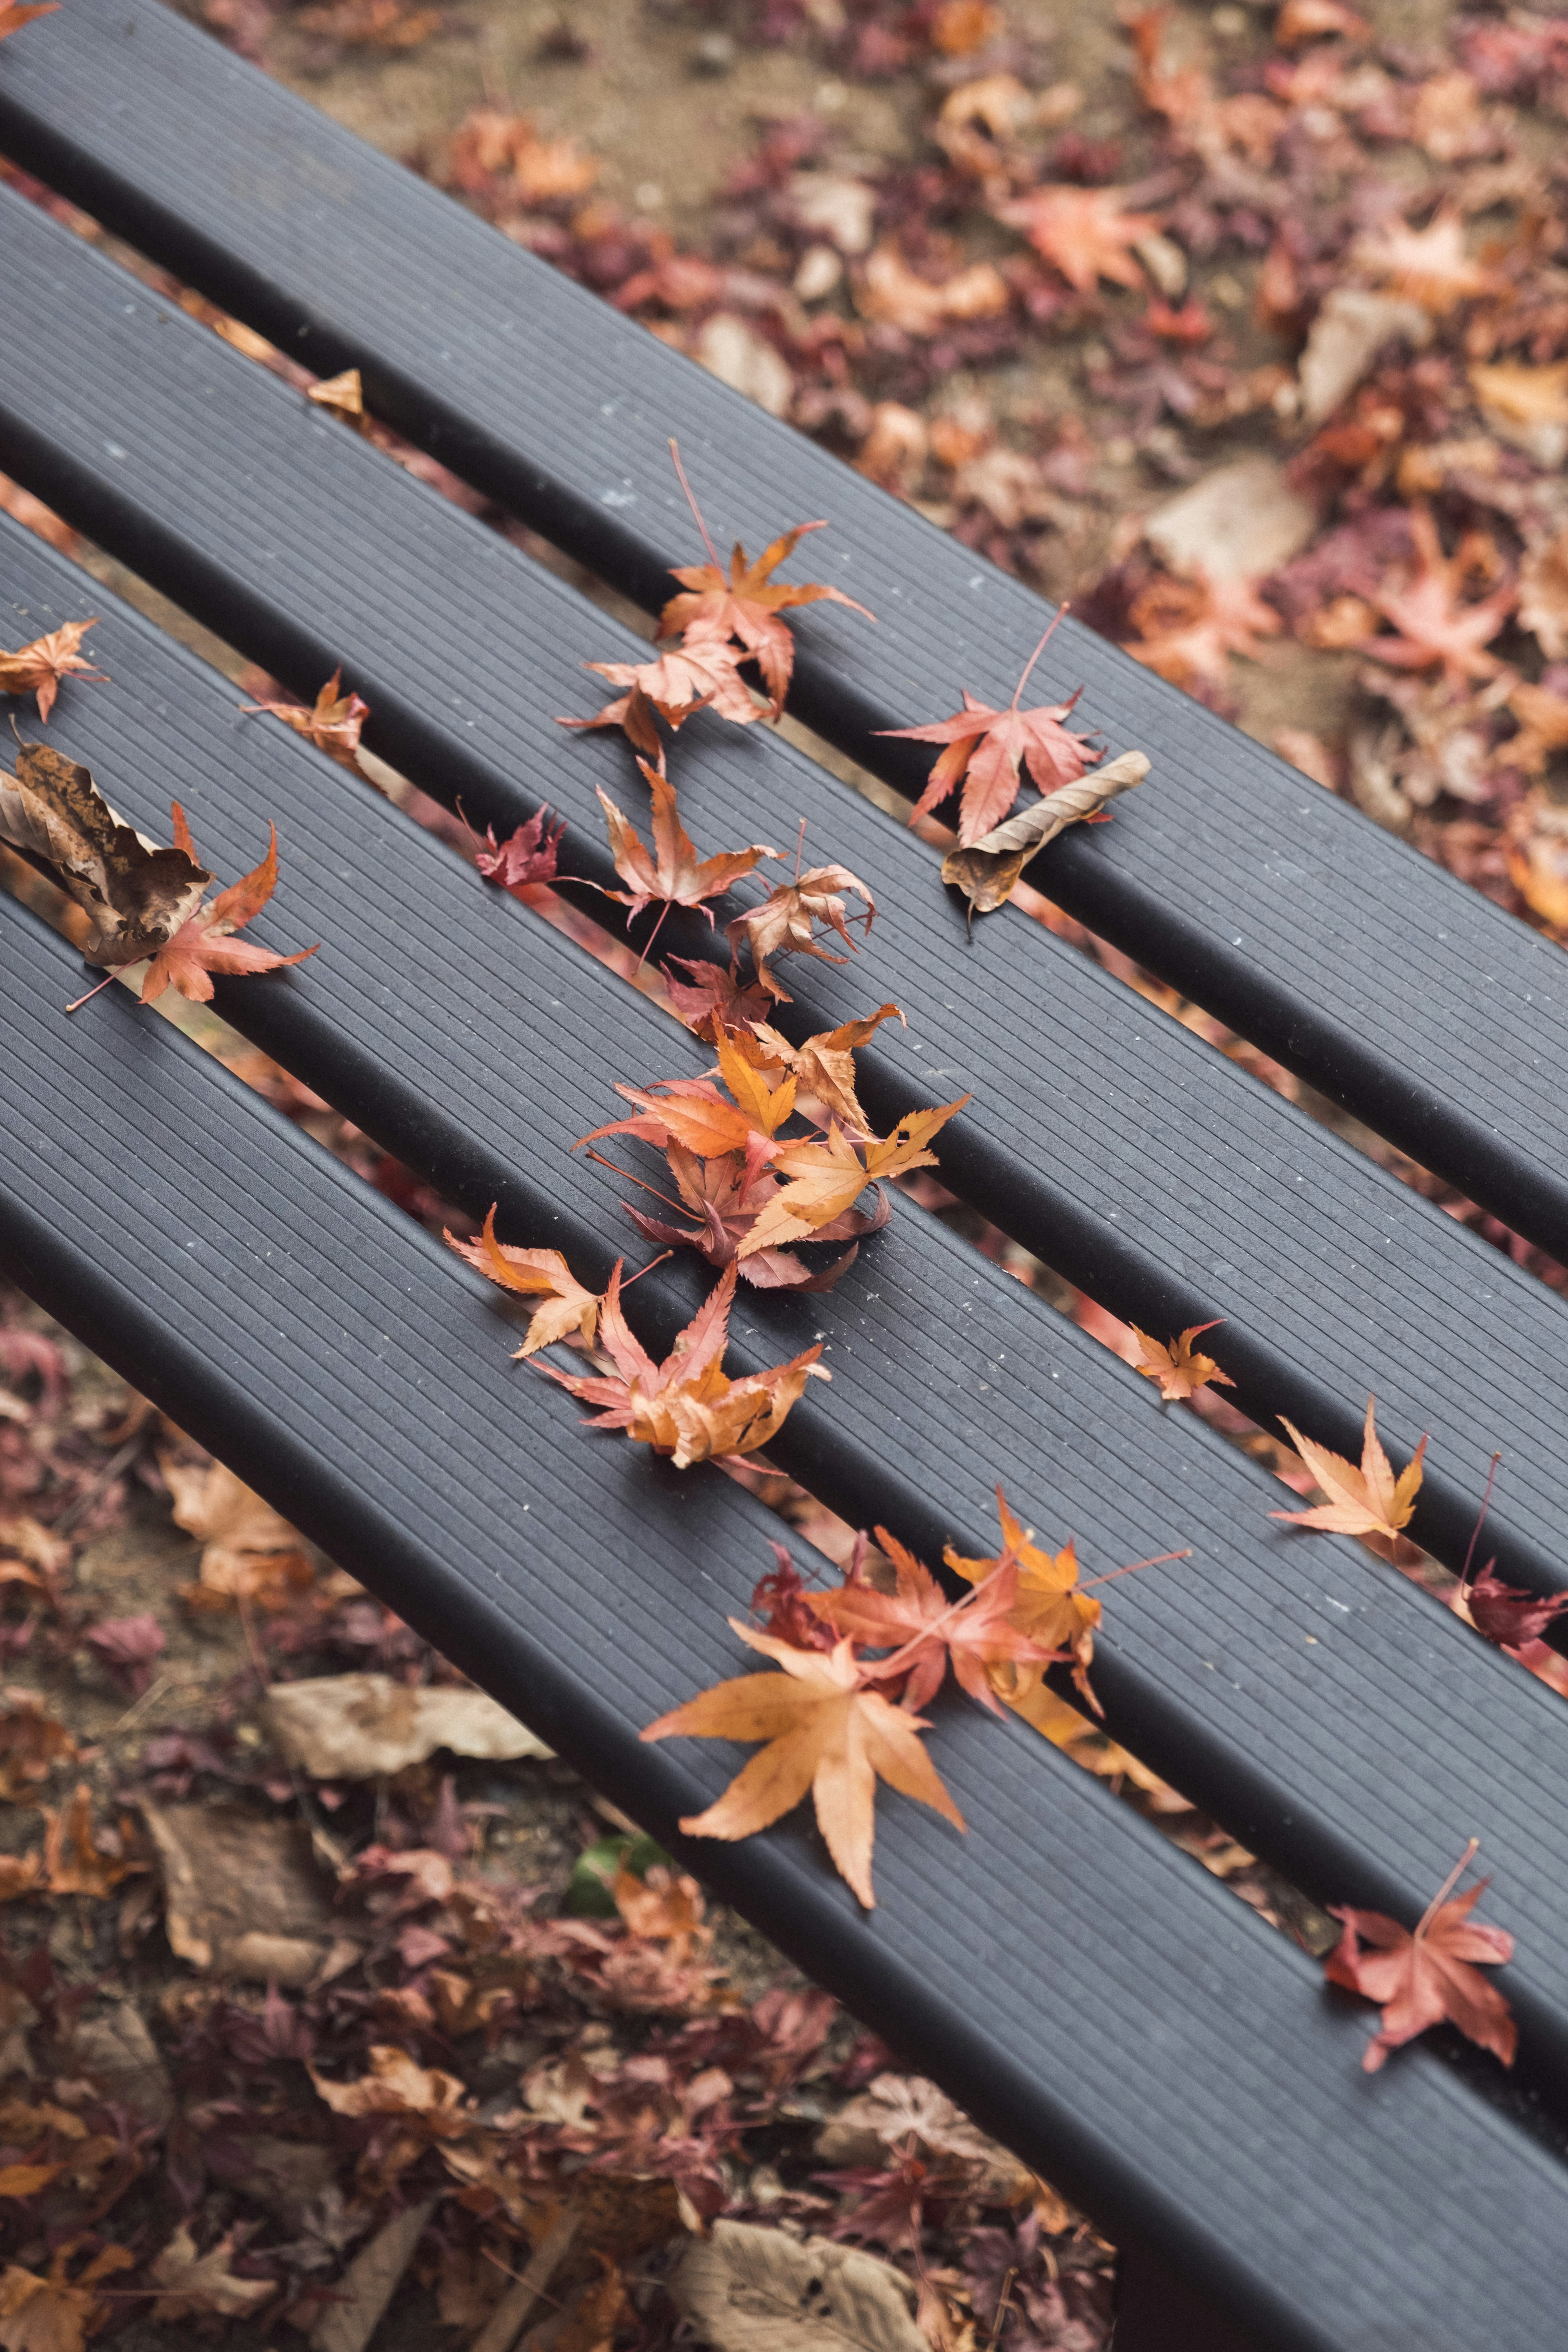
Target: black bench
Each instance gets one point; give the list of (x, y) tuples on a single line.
[(1079, 1985)]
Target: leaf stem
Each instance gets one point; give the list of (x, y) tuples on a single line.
[(91, 993), (644, 1269), (1476, 1531), (1446, 1888), (692, 502), (1034, 657), (1132, 1566)]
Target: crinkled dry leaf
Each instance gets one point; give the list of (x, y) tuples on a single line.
[(32, 1743), (1365, 1501), (344, 396), (55, 2314), (1421, 1978), (353, 1727), (528, 855), (136, 894), (243, 1896), (678, 684), (897, 2108), (197, 2286), (250, 1553), (397, 2085), (746, 2289), (532, 1272), (75, 1862), (784, 924), (333, 725), (923, 1628), (826, 1732), (39, 667), (987, 871)]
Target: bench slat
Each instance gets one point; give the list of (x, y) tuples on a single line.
[(1391, 986), (1062, 1962), (1148, 1167), (1335, 1718)]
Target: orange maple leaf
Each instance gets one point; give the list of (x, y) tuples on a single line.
[(1419, 1980), (14, 14), (1432, 627), (985, 747), (39, 667), (826, 1731), (1083, 231), (924, 1629), (747, 604), (687, 1407), (678, 684), (784, 924), (333, 725), (673, 873), (1369, 1501), (1179, 1371), (1050, 1608), (203, 943), (1211, 620), (568, 1307), (826, 1179)]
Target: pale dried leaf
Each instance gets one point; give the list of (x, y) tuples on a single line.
[(988, 869), (746, 2289), (351, 1726)]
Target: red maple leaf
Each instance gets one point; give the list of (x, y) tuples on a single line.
[(527, 855), (985, 747), (204, 942), (1431, 626), (747, 604), (1419, 1980)]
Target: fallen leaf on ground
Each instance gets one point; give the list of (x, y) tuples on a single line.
[(397, 2085), (127, 1646), (344, 396), (55, 2314), (784, 924), (528, 855), (243, 1896), (1180, 1372), (687, 1407), (39, 667), (135, 893), (1421, 1978), (674, 873), (198, 2286), (746, 2289), (1368, 1501), (1083, 231), (203, 943), (1431, 626), (533, 1273), (1239, 522), (250, 1551), (986, 747), (333, 725), (353, 1727), (746, 605), (826, 1731), (75, 1862), (987, 872), (116, 2052), (897, 2108), (32, 1743)]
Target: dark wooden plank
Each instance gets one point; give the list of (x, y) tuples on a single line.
[(1090, 1994), (1332, 1717), (1433, 1016), (1151, 1171)]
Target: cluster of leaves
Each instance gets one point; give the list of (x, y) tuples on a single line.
[(859, 1663)]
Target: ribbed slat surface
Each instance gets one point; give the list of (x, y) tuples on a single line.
[(1333, 1716), (1146, 1166), (1124, 2024), (1438, 1018)]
